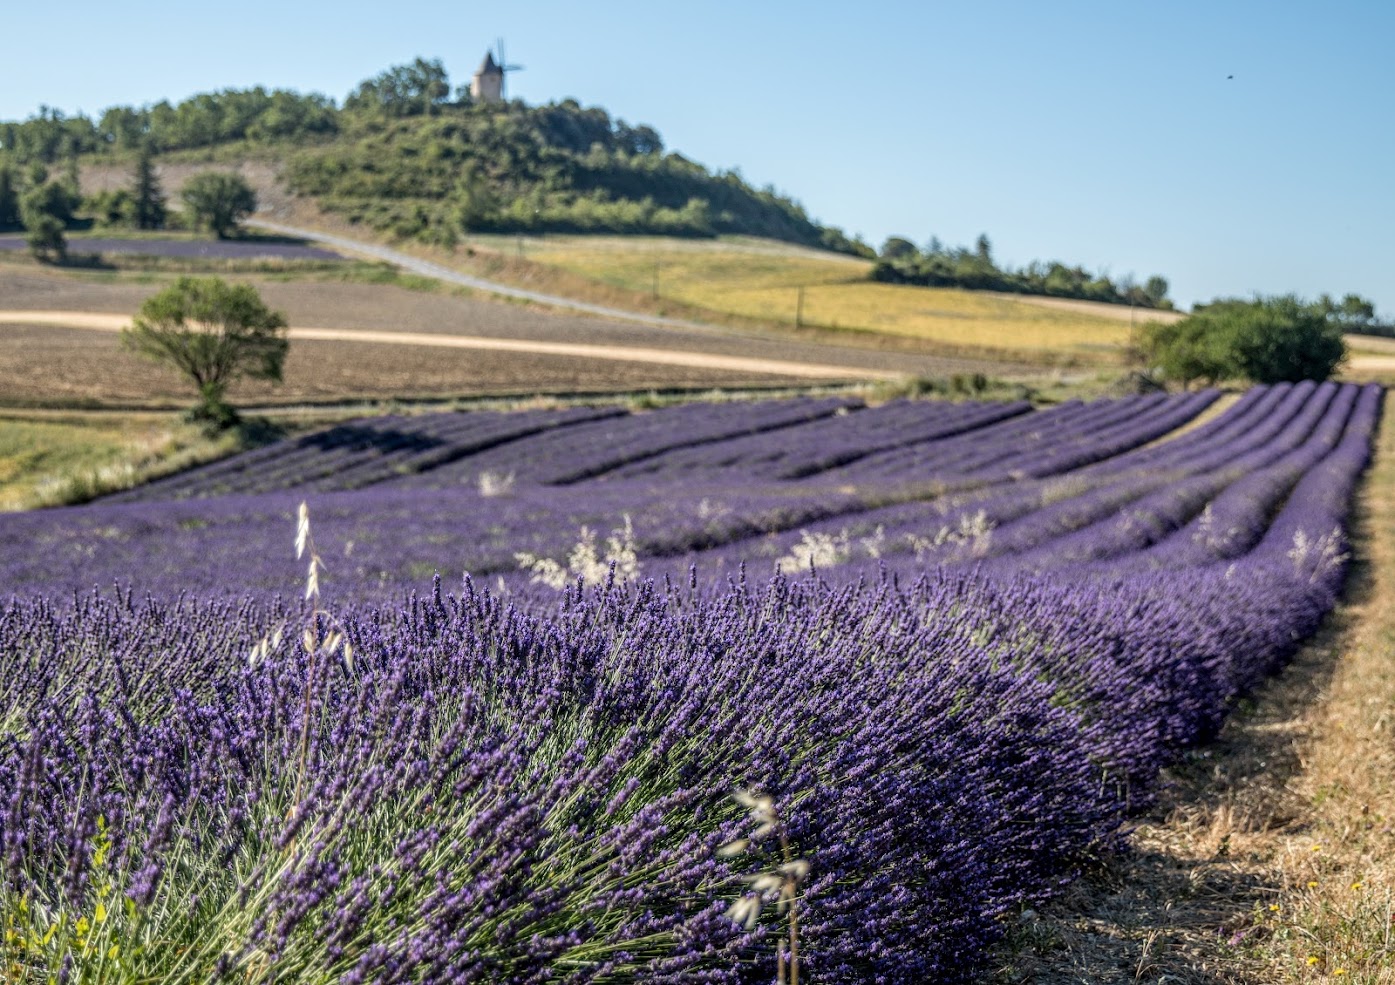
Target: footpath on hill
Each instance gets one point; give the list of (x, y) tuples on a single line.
[(426, 268), (1271, 860)]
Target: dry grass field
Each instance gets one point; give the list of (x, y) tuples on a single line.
[(762, 280)]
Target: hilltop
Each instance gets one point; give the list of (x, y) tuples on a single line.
[(403, 155)]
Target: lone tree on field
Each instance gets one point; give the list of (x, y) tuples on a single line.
[(214, 332), (43, 210), (218, 200)]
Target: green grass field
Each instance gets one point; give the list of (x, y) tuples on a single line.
[(765, 280), (46, 460)]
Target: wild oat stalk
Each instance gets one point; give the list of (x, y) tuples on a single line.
[(316, 645), (784, 880)]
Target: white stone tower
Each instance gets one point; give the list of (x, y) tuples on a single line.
[(488, 83)]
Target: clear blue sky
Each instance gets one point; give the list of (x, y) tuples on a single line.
[(1104, 133)]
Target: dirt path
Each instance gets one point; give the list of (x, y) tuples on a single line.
[(612, 353)]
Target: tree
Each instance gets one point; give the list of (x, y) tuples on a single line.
[(899, 248), (417, 89), (218, 200), (1187, 350), (1353, 314), (1285, 340), (1267, 340), (147, 199), (1156, 289), (983, 248), (213, 332), (9, 199), (44, 210)]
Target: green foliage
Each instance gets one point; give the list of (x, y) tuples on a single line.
[(898, 248), (45, 211), (975, 270), (1266, 340), (147, 198), (218, 200), (9, 198), (48, 137), (555, 168), (1155, 290), (112, 207), (213, 332), (418, 89), (1187, 351)]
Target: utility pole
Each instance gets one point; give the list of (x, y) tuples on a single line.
[(799, 309), (654, 288)]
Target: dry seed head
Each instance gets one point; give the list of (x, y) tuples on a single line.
[(798, 870), (746, 911), (302, 529), (765, 882), (733, 848)]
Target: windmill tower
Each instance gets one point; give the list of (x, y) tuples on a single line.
[(488, 85)]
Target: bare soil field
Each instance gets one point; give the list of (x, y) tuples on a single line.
[(54, 365), (58, 366)]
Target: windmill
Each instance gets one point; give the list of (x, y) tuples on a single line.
[(504, 69), (488, 84)]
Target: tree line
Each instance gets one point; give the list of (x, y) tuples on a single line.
[(902, 262)]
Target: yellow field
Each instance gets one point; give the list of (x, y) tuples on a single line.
[(762, 279)]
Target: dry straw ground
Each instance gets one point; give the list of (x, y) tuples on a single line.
[(776, 283)]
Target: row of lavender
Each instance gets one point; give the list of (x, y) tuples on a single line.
[(482, 790), (502, 488)]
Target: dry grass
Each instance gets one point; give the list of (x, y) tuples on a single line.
[(763, 281), (1272, 858)]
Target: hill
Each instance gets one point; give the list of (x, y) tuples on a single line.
[(401, 155)]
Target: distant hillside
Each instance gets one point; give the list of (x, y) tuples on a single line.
[(404, 155)]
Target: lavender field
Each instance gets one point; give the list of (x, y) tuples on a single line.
[(944, 651)]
